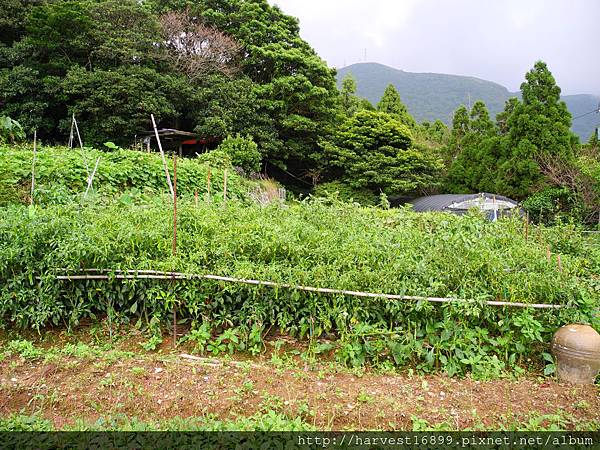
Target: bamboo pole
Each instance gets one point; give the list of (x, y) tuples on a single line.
[(33, 164), (159, 275), (87, 167), (71, 133), (162, 155)]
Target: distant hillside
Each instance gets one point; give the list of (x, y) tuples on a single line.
[(431, 96)]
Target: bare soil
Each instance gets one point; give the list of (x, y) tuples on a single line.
[(152, 386)]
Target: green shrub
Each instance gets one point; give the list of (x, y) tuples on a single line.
[(243, 151), (346, 193), (554, 205), (216, 158)]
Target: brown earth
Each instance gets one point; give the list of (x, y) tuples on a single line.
[(152, 386)]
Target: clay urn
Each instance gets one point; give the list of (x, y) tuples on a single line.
[(577, 351)]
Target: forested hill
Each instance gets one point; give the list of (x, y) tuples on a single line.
[(431, 96)]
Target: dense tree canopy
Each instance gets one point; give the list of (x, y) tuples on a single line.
[(233, 66), (509, 157), (374, 150)]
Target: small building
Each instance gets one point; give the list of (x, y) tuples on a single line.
[(494, 206), (183, 142)]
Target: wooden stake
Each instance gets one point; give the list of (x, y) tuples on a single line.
[(527, 226), (559, 263), (174, 244), (162, 154), (196, 198), (548, 254), (225, 186), (33, 164)]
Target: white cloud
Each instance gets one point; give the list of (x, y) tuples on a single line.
[(498, 40)]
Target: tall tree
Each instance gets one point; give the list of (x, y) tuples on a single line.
[(62, 36), (525, 151), (116, 104), (481, 125), (461, 124), (292, 83), (538, 131), (542, 120), (502, 117), (374, 150), (473, 147), (13, 14), (391, 103), (350, 102)]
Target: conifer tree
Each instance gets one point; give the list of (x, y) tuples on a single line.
[(391, 104)]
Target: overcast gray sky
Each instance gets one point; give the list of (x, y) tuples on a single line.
[(497, 40)]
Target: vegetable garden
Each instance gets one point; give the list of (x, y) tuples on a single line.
[(321, 243)]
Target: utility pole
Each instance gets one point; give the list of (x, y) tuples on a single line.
[(598, 138)]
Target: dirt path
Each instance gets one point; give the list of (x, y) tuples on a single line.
[(152, 387)]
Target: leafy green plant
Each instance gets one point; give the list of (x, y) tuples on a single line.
[(217, 159), (342, 191), (550, 367), (10, 130), (243, 152), (200, 336), (24, 348), (112, 146), (152, 343), (228, 341)]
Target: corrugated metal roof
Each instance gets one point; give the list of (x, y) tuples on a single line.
[(442, 202)]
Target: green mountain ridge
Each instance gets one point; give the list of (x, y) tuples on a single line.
[(431, 96)]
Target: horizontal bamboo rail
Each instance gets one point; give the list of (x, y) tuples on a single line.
[(99, 274)]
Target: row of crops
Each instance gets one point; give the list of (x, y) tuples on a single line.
[(316, 243), (61, 176)]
